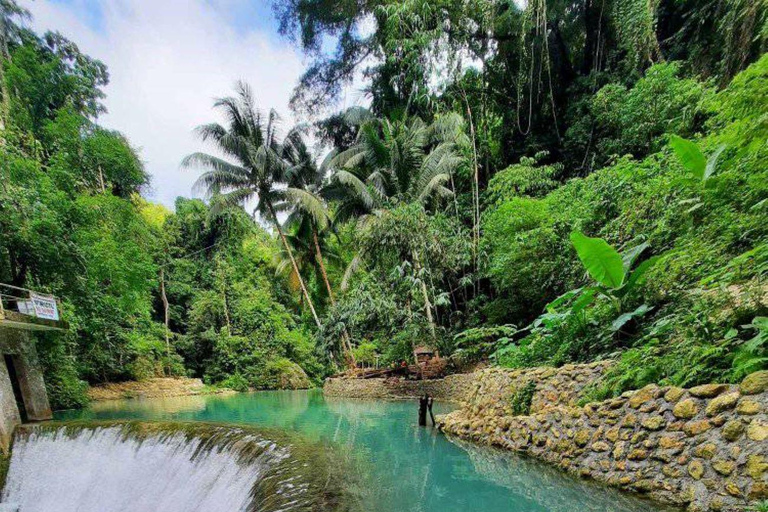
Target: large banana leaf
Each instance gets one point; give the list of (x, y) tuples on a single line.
[(602, 261)]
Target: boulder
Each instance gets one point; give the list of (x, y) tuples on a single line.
[(722, 403), (708, 390), (754, 383), (686, 409)]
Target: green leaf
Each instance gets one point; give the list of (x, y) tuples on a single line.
[(690, 155), (712, 162), (623, 319), (583, 300), (629, 256), (553, 306), (601, 260), (638, 275)]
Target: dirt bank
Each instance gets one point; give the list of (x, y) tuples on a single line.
[(152, 388)]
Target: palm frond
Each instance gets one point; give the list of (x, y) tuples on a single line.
[(310, 204), (354, 266), (357, 188)]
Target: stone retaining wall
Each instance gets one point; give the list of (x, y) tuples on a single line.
[(705, 447), (453, 388), (562, 385)]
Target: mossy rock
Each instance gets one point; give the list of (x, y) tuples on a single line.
[(755, 383)]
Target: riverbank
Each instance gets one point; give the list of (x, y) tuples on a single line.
[(702, 448), (153, 388), (561, 385)]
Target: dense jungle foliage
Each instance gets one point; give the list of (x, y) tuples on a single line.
[(533, 184)]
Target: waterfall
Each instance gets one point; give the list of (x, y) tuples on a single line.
[(150, 468)]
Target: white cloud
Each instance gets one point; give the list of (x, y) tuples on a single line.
[(168, 59)]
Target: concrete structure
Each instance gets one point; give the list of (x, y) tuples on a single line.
[(21, 383), (23, 396)]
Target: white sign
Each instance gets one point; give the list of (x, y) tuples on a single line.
[(45, 306)]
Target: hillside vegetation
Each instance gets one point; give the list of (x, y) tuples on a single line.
[(562, 182)]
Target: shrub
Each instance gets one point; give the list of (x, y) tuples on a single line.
[(522, 398)]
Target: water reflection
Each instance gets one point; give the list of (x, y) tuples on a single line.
[(546, 484)]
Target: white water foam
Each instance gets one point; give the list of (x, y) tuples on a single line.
[(104, 470)]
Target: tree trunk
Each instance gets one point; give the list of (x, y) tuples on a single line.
[(293, 262), (166, 317), (345, 336), (425, 293), (319, 255), (475, 196)]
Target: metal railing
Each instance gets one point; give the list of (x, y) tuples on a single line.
[(29, 302)]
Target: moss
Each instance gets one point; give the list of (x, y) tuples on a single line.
[(5, 464)]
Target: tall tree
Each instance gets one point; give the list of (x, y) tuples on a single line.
[(308, 213), (251, 140), (10, 14), (402, 160)]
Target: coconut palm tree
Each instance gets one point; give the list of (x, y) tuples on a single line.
[(309, 216), (262, 163), (394, 160), (401, 160)]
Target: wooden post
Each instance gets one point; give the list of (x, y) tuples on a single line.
[(430, 402), (423, 404)]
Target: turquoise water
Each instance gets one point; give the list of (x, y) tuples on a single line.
[(404, 468)]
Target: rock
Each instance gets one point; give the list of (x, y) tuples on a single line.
[(748, 407), (630, 420), (668, 442), (719, 420), (754, 383), (756, 466), (686, 409), (732, 430), (612, 434), (600, 446), (696, 469), (637, 454), (670, 471), (708, 390), (733, 489), (758, 491), (674, 394), (582, 437), (694, 428), (618, 450), (722, 403), (654, 423), (757, 430), (645, 485), (724, 467), (644, 395), (705, 451)]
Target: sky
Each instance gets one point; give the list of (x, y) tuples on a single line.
[(168, 60)]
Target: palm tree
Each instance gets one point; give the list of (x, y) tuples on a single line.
[(10, 13), (402, 160), (250, 139), (309, 216)]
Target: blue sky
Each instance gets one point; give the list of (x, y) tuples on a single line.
[(243, 15), (168, 60)]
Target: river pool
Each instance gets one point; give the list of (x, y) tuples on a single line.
[(404, 468)]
